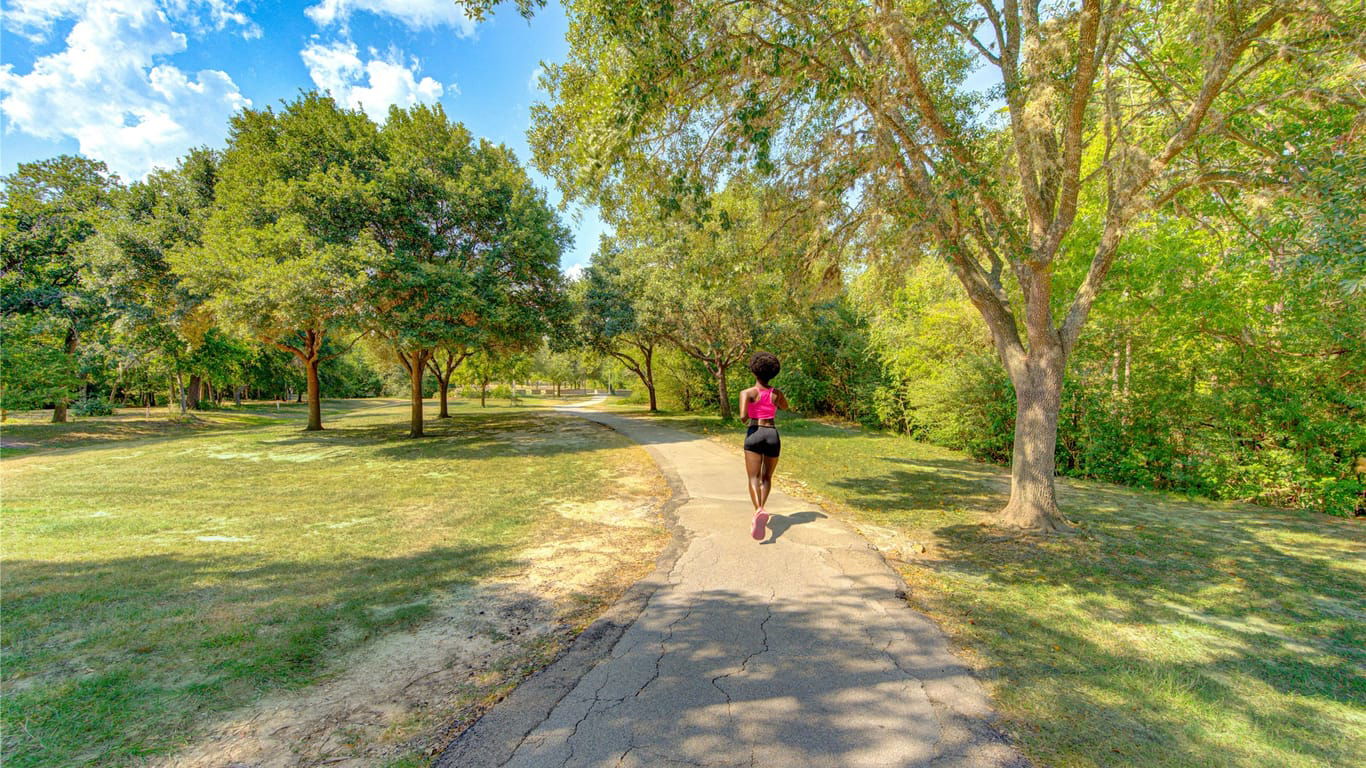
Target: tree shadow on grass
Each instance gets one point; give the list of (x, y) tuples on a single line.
[(117, 657), (1162, 629), (481, 435)]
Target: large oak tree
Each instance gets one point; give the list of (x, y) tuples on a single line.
[(866, 111)]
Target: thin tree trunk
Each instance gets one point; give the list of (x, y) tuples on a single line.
[(315, 406), (723, 392), (445, 386), (1033, 498), (649, 378), (483, 392)]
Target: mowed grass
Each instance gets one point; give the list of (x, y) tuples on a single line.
[(157, 573), (1169, 632)]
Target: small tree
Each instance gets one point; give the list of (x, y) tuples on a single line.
[(612, 320), (710, 285)]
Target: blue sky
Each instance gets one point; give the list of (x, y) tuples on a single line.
[(137, 82)]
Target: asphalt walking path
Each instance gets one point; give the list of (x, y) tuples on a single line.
[(791, 652)]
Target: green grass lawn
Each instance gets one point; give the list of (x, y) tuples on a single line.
[(1169, 632), (156, 574)]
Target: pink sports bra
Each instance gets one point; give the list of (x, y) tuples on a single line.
[(762, 407)]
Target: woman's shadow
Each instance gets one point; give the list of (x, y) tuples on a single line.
[(778, 524)]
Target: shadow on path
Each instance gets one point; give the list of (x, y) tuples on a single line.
[(778, 524)]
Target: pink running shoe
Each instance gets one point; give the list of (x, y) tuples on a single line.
[(760, 520)]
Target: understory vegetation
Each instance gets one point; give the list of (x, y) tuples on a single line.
[(1169, 632)]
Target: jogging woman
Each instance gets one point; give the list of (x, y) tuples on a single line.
[(759, 404)]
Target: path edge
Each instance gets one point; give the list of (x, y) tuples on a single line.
[(495, 736)]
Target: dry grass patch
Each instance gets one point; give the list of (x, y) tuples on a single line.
[(245, 588)]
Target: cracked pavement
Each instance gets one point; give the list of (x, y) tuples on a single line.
[(793, 652)]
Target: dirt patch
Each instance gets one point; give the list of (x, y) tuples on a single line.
[(409, 693)]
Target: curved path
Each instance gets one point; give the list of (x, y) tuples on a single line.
[(791, 652)]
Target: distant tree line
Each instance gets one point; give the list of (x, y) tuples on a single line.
[(255, 271)]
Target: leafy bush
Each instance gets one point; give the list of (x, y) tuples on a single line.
[(92, 406)]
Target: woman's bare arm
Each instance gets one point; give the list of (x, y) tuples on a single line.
[(744, 404), (780, 399)]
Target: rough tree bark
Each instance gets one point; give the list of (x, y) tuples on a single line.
[(1038, 395), (192, 393), (315, 407), (415, 362), (59, 407), (722, 391)]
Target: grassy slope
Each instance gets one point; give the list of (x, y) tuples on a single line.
[(156, 573), (1171, 632)]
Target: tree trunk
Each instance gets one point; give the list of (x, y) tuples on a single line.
[(1033, 499), (649, 378), (59, 407), (237, 395), (445, 386), (315, 406), (416, 368), (722, 392), (483, 392), (192, 396)]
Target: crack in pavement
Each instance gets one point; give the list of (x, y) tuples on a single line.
[(848, 680), (763, 632)]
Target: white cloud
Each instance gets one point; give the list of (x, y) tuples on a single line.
[(110, 88), (414, 14), (575, 271), (35, 19), (533, 83), (373, 85)]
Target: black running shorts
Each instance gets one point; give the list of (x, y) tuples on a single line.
[(763, 440)]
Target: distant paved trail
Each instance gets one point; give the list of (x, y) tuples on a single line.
[(791, 653)]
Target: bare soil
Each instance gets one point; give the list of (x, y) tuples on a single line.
[(409, 693)]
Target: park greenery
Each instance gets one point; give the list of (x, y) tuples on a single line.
[(1101, 241), (162, 574), (1127, 257), (1174, 633), (1153, 209)]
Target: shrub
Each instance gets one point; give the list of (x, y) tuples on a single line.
[(92, 406)]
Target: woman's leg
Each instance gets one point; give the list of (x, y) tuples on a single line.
[(754, 468), (766, 479)]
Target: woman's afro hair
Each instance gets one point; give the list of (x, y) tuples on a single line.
[(764, 365)]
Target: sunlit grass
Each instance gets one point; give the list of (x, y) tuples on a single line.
[(1170, 632), (156, 573)]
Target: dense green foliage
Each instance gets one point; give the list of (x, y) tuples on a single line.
[(254, 271), (876, 145)]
